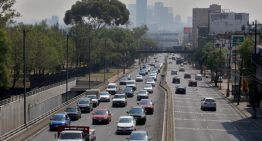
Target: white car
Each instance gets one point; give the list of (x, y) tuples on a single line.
[(174, 72), (111, 88), (208, 103), (149, 88), (151, 81), (198, 77), (126, 124), (142, 94), (139, 78), (153, 75), (131, 83), (104, 97), (119, 100), (94, 99)]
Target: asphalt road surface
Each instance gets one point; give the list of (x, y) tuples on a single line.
[(193, 124), (107, 132)]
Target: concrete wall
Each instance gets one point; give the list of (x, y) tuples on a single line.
[(12, 114)]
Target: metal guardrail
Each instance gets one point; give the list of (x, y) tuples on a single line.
[(32, 92), (41, 117)]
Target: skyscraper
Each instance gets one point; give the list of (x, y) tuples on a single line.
[(141, 12), (132, 16)]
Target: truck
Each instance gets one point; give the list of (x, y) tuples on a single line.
[(75, 133)]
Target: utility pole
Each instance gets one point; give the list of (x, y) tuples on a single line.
[(89, 62), (229, 67), (67, 37), (105, 62), (255, 84), (24, 81)]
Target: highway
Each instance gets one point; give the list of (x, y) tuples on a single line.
[(193, 124), (107, 132)]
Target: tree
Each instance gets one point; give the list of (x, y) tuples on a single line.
[(4, 60), (6, 12), (97, 13)]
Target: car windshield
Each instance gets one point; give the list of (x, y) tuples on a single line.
[(58, 117), (119, 96), (142, 92), (111, 87), (148, 86), (83, 101), (104, 94), (136, 111), (137, 136), (145, 102), (92, 97), (70, 110), (125, 120), (150, 80), (70, 136), (100, 112), (131, 82), (128, 89), (210, 100)]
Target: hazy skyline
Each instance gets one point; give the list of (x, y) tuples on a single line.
[(36, 10)]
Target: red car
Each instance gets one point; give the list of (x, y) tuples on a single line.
[(148, 105), (101, 116)]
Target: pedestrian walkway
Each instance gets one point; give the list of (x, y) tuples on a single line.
[(244, 107)]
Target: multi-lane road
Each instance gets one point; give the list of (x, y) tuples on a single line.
[(107, 132), (193, 124)]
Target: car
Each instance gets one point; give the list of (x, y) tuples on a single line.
[(104, 97), (85, 104), (187, 76), (208, 103), (174, 72), (94, 99), (129, 91), (192, 83), (151, 81), (112, 88), (128, 76), (59, 119), (132, 84), (148, 105), (176, 80), (76, 133), (198, 77), (139, 135), (220, 79), (142, 72), (182, 69), (149, 88), (126, 124), (119, 100), (180, 89), (139, 78), (73, 112), (123, 80), (138, 112), (153, 75), (142, 94), (101, 116)]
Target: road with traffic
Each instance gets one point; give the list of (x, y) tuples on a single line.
[(193, 124), (153, 124)]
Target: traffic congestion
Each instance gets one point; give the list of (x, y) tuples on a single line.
[(129, 109)]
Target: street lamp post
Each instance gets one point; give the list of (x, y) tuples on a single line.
[(89, 63), (24, 81), (229, 67), (67, 38), (104, 60)]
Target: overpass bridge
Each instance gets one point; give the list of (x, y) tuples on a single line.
[(165, 50)]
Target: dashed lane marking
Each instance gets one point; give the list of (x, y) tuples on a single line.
[(219, 130)]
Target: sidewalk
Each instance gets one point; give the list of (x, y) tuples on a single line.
[(244, 107)]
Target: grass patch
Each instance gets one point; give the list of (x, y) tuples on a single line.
[(99, 76)]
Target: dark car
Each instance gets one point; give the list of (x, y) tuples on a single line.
[(192, 83), (148, 105), (180, 90), (138, 112), (176, 80), (59, 119), (187, 76), (85, 104), (123, 80), (129, 91), (73, 112)]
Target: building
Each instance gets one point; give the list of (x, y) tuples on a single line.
[(188, 36), (201, 18), (220, 23), (141, 12), (132, 16)]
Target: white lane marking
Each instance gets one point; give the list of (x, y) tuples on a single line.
[(211, 137), (204, 120), (226, 114), (220, 130)]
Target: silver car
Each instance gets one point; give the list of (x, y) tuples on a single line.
[(208, 103), (139, 136)]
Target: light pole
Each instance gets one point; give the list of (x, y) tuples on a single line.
[(229, 67), (67, 38), (24, 81), (104, 60), (89, 62)]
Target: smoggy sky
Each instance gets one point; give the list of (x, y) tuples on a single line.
[(35, 10)]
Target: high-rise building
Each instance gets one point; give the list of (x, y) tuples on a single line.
[(141, 12), (132, 15), (201, 18)]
